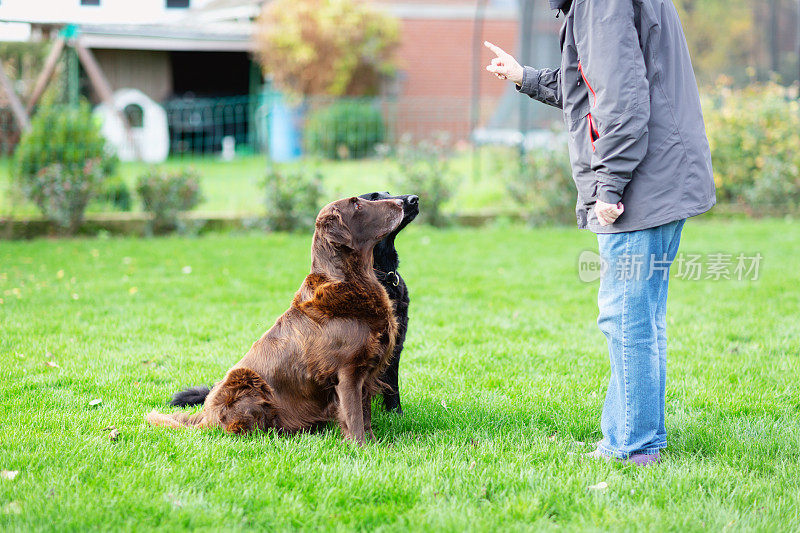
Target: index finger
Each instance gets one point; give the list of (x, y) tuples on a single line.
[(494, 48)]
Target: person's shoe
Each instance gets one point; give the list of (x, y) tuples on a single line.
[(641, 459), (597, 454)]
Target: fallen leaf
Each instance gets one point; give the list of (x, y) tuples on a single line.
[(96, 401), (9, 474), (113, 435), (108, 428), (12, 508), (51, 364), (600, 486), (60, 274), (472, 465), (75, 296), (133, 290), (174, 500), (187, 269)]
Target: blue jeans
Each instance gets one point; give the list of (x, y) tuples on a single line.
[(633, 317)]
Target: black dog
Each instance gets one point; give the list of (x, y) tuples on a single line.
[(385, 263)]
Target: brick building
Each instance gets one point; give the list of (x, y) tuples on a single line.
[(438, 84)]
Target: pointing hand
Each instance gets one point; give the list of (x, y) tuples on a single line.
[(504, 66)]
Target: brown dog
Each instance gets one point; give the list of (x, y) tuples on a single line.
[(322, 359)]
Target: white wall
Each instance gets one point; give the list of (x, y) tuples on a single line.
[(108, 12)]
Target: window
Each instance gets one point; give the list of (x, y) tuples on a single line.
[(177, 3), (135, 115), (90, 2)]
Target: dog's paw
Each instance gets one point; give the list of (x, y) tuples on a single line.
[(154, 418)]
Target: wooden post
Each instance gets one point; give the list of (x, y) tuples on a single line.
[(47, 72), (16, 106), (103, 88), (99, 81)]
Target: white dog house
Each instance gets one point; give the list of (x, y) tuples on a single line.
[(148, 138)]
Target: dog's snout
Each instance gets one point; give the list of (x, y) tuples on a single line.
[(413, 199)]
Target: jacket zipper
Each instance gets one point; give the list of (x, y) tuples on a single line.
[(594, 134)]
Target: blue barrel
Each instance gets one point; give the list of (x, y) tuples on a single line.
[(284, 131)]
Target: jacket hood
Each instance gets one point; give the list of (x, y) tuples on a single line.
[(560, 4)]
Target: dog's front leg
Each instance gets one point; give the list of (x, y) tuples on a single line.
[(366, 407), (351, 407)]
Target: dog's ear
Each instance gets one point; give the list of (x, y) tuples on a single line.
[(334, 230)]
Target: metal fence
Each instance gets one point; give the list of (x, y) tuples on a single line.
[(280, 128)]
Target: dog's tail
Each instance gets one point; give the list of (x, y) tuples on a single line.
[(191, 396)]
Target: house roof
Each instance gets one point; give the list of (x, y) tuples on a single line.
[(219, 37)]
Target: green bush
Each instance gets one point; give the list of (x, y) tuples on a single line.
[(165, 195), (424, 170), (541, 184), (776, 191), (117, 194), (347, 129), (62, 162), (62, 194), (755, 138), (292, 199)]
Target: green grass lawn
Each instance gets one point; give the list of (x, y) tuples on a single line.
[(234, 187), (503, 374)]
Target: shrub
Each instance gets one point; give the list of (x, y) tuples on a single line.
[(542, 185), (424, 170), (61, 163), (777, 189), (292, 199), (345, 129), (165, 195), (116, 193), (754, 135), (62, 194)]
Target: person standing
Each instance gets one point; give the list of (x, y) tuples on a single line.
[(642, 166)]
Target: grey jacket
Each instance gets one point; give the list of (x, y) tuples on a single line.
[(632, 109)]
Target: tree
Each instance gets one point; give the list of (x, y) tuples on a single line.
[(721, 37), (326, 47)]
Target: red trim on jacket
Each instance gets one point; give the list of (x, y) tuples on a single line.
[(594, 134)]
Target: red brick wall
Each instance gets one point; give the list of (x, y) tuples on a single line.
[(436, 56), (436, 69)]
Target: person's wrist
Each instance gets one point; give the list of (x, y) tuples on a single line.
[(518, 76)]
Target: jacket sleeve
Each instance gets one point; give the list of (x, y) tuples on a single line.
[(612, 63), (543, 85)]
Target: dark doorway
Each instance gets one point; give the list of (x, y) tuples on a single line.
[(210, 101), (210, 73)]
